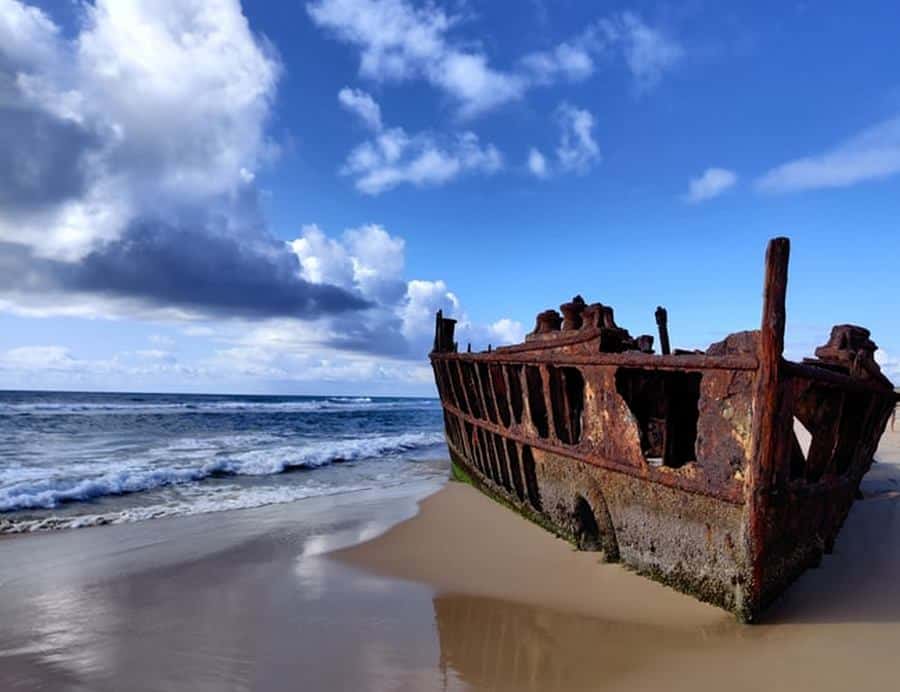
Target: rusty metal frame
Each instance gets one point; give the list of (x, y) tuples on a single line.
[(746, 406)]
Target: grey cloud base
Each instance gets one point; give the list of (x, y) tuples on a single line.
[(163, 266)]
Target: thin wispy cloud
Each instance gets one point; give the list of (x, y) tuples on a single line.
[(711, 183), (649, 53), (873, 154), (399, 41), (570, 61), (363, 105), (577, 150), (537, 164)]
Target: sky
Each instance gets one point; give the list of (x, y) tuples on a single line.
[(276, 197)]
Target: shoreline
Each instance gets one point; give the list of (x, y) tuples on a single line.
[(429, 586)]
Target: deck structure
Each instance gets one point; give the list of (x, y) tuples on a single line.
[(723, 473)]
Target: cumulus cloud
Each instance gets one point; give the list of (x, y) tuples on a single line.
[(129, 153), (711, 183), (197, 271), (127, 160), (507, 331), (873, 154), (370, 261), (366, 259), (393, 157), (387, 342), (399, 41)]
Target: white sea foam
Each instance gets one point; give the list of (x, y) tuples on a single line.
[(217, 500), (140, 474)]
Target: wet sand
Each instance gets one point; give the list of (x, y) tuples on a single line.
[(463, 595)]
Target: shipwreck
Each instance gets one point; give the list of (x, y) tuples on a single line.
[(724, 474)]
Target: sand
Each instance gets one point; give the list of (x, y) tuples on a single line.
[(424, 587), (522, 610)]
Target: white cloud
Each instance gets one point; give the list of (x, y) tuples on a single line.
[(162, 340), (648, 52), (58, 367), (537, 163), (577, 149), (128, 161), (363, 105), (371, 261), (165, 102), (889, 365), (570, 61), (393, 157), (507, 331), (423, 300), (27, 35), (873, 154), (258, 356), (383, 346), (366, 259), (155, 354), (30, 357), (478, 87), (399, 41), (712, 183)]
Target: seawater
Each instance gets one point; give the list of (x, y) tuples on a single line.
[(71, 459)]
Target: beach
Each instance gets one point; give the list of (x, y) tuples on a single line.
[(428, 585)]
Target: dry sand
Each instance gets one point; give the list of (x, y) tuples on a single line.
[(465, 595)]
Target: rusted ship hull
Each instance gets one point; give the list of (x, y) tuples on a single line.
[(687, 467)]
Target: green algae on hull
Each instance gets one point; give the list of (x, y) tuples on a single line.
[(459, 474)]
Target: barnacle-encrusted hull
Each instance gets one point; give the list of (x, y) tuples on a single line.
[(724, 474)]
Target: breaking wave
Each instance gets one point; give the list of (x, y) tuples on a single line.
[(48, 493), (222, 500)]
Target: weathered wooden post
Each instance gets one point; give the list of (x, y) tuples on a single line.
[(662, 321), (770, 421), (438, 318)]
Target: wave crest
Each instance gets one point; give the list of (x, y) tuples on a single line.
[(47, 493)]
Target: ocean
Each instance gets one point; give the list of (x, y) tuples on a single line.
[(70, 460)]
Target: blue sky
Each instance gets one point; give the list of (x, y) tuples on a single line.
[(276, 197)]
